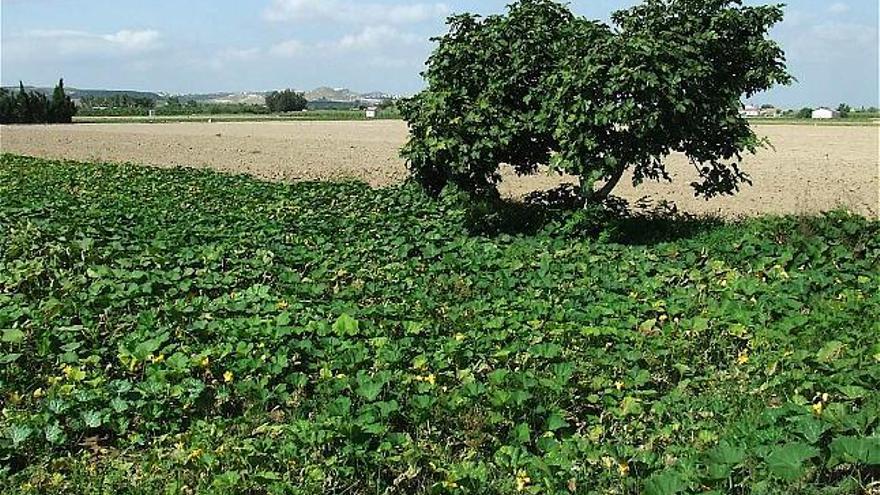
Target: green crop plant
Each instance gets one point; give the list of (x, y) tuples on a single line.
[(183, 331)]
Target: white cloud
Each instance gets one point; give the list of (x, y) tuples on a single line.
[(348, 11), (42, 42), (845, 34), (289, 48), (240, 53), (224, 57), (374, 37), (133, 40), (838, 8), (379, 40)]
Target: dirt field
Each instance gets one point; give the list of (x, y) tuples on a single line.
[(812, 169)]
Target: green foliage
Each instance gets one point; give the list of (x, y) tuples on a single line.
[(286, 101), (182, 331), (32, 107), (845, 110), (805, 113), (541, 86), (119, 101), (61, 108)]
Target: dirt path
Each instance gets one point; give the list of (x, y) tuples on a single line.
[(812, 169)]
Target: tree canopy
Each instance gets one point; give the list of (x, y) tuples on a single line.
[(33, 107), (286, 101), (541, 86)]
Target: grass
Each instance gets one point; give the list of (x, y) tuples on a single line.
[(183, 331), (311, 115), (850, 122)]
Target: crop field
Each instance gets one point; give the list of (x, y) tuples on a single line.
[(187, 331), (810, 169)]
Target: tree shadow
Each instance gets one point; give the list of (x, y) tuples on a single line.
[(559, 212)]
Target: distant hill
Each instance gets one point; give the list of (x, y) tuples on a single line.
[(332, 94), (331, 97)]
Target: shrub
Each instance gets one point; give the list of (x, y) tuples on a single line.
[(286, 101), (539, 85), (805, 113)]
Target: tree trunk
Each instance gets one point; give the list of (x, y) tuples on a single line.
[(593, 197)]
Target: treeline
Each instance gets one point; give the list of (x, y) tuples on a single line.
[(845, 111), (33, 107), (117, 101), (175, 107)]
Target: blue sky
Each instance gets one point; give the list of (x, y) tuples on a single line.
[(236, 45)]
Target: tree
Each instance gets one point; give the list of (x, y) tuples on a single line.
[(286, 101), (805, 113), (61, 109), (844, 110), (541, 86)]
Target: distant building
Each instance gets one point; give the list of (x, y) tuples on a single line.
[(825, 113), (749, 111), (770, 112), (371, 113)]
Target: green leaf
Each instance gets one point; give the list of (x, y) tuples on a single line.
[(555, 422), (283, 319), (809, 427), (369, 387), (13, 336), (19, 433), (522, 433), (788, 461), (345, 325), (829, 352), (92, 419), (855, 450), (631, 406), (668, 483), (9, 358), (54, 433)]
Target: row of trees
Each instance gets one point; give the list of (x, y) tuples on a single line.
[(33, 107), (845, 111), (118, 101)]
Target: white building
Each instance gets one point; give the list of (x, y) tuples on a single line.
[(371, 113), (750, 111), (825, 113)]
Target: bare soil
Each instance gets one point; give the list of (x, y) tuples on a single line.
[(811, 168)]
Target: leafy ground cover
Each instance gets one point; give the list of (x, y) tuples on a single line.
[(180, 331)]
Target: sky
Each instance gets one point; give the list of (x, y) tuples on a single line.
[(197, 46)]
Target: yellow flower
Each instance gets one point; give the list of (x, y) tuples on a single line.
[(623, 468), (228, 376), (743, 357), (195, 454), (522, 480), (618, 385), (817, 408), (205, 362), (431, 379), (460, 336), (38, 393), (283, 305), (158, 359)]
